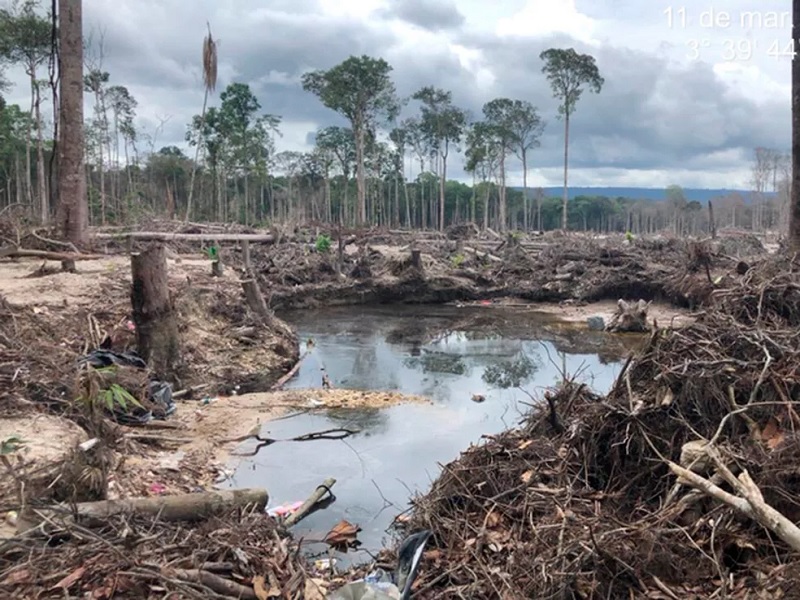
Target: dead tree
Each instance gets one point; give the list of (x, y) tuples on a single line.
[(157, 336)]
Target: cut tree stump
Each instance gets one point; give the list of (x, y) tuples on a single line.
[(68, 265), (630, 318), (183, 507), (157, 336), (416, 259), (248, 265)]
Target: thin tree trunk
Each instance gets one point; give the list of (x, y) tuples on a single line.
[(28, 135), (196, 157), (442, 182), (564, 217), (525, 190), (361, 188), (502, 213), (44, 198)]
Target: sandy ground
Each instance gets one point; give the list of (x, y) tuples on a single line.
[(664, 314), (575, 313), (89, 284)]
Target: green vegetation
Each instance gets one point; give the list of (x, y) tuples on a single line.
[(323, 243)]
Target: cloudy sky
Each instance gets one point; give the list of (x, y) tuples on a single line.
[(688, 95)]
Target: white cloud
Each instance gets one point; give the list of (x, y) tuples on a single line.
[(545, 17)]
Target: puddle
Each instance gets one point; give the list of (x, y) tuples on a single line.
[(439, 352)]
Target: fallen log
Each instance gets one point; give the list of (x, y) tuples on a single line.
[(185, 507), (14, 252), (292, 372), (480, 254), (158, 236)]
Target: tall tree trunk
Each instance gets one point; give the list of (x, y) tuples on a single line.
[(361, 187), (442, 182), (525, 190), (28, 136), (794, 211), (564, 218), (502, 208), (41, 175), (73, 207)]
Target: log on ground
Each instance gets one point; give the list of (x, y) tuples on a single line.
[(185, 507)]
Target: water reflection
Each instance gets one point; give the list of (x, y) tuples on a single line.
[(447, 354)]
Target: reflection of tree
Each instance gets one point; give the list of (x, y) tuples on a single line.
[(437, 362), (510, 373), (366, 360), (369, 421)]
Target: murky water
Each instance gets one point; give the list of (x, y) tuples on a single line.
[(439, 352)]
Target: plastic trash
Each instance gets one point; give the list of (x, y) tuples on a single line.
[(284, 510), (159, 392), (101, 358)]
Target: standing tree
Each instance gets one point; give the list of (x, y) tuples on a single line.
[(73, 206), (499, 124), (482, 156), (209, 84), (26, 40), (526, 129), (361, 89), (339, 141), (569, 73), (442, 124)]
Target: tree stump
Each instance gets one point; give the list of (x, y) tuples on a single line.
[(68, 266), (157, 337), (216, 268), (416, 259), (248, 267), (630, 318)]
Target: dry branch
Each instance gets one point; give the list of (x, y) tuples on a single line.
[(751, 505), (310, 503)]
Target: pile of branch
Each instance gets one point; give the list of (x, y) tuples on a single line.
[(682, 482), (231, 556)]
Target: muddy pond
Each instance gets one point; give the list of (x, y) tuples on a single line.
[(446, 353)]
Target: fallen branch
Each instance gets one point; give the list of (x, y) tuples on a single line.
[(215, 583), (751, 505), (292, 372), (480, 254), (308, 505)]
